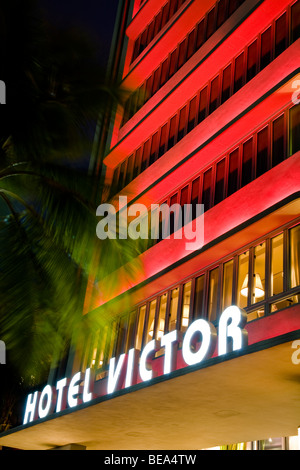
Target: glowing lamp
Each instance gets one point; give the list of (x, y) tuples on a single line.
[(258, 288)]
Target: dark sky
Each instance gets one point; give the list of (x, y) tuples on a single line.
[(95, 16)]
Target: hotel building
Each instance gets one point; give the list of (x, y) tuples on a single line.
[(213, 118)]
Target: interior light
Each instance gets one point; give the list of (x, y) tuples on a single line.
[(258, 287)]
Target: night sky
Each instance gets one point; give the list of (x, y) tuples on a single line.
[(97, 17)]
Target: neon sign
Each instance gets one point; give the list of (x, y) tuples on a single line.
[(198, 344)]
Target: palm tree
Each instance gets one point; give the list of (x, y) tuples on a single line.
[(55, 95)]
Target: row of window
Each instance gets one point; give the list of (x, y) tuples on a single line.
[(261, 279), (159, 21), (203, 30), (275, 141), (242, 69)]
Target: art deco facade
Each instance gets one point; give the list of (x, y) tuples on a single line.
[(212, 118)]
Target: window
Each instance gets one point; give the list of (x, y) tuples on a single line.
[(173, 63), (157, 24), (195, 196), (165, 14), (262, 164), (206, 195), (222, 12), (122, 175), (182, 53), (226, 84), (266, 48), (191, 43), (154, 147), (277, 265), (295, 256), (259, 274), (220, 182), (211, 23), (172, 131), (163, 140), (233, 176), (214, 95), (294, 129), (243, 280), (160, 327), (213, 294), (295, 15), (173, 309), (247, 162), (146, 153), (156, 81), (149, 83), (200, 34), (184, 199), (239, 72), (252, 61), (192, 114), (150, 35), (137, 163), (281, 34), (203, 104), (129, 171), (278, 142), (182, 122), (151, 319), (199, 296), (227, 284), (164, 72), (186, 304)]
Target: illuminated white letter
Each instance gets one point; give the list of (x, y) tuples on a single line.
[(48, 394), (148, 353), (208, 343), (115, 376), (31, 407), (88, 385), (170, 341), (132, 364), (74, 390), (60, 404), (234, 330), (106, 228)]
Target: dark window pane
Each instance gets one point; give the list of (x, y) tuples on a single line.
[(233, 172), (195, 196), (172, 131), (173, 200), (137, 163), (136, 49), (220, 182), (295, 13), (182, 122), (233, 5), (143, 42), (157, 25), (146, 153), (211, 23), (278, 141), (165, 14), (214, 95), (129, 170), (173, 63), (247, 163), (150, 35), (154, 148), (164, 72), (295, 129), (192, 114), (122, 176), (226, 85), (252, 61), (222, 12), (141, 97), (262, 152), (239, 72), (266, 48), (206, 194), (173, 7), (203, 104), (156, 81), (191, 43), (199, 295), (281, 34), (182, 53), (183, 201), (149, 83), (200, 34), (114, 184), (163, 140)]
